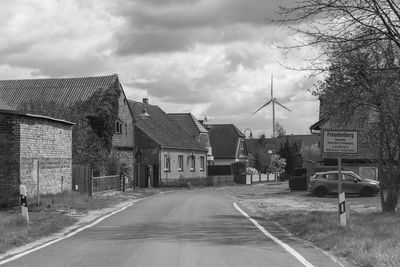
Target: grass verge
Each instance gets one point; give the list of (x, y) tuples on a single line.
[(368, 240), (53, 214)]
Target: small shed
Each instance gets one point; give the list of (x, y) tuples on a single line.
[(35, 151)]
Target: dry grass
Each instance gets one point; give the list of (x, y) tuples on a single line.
[(14, 231), (369, 240), (52, 215)]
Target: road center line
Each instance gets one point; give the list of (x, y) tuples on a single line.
[(276, 240), (19, 255)]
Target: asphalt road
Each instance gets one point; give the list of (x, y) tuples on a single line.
[(186, 228)]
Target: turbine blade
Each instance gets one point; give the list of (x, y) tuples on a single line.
[(266, 104), (276, 101)]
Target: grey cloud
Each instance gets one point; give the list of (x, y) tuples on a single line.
[(153, 27), (173, 90), (58, 67), (193, 14), (146, 42)]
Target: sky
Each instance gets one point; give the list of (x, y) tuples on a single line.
[(211, 58)]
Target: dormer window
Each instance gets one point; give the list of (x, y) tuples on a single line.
[(118, 126)]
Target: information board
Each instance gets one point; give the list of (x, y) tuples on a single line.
[(341, 142)]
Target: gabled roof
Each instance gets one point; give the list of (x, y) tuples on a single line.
[(188, 122), (317, 126), (18, 113), (62, 90), (162, 129), (224, 139)]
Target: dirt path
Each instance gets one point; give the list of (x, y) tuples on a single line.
[(264, 199)]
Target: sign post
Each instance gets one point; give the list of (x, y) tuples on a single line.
[(339, 143), (24, 203)]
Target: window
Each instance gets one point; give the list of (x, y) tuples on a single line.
[(126, 128), (332, 176), (167, 164), (180, 162), (202, 163), (118, 127), (193, 163)]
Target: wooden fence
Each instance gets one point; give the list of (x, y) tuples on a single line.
[(106, 183), (84, 182), (81, 179)]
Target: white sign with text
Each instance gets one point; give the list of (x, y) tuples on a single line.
[(340, 141)]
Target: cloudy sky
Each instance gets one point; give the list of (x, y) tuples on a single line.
[(212, 58)]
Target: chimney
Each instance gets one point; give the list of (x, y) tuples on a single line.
[(145, 101)]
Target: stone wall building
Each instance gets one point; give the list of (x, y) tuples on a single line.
[(54, 96), (33, 149)]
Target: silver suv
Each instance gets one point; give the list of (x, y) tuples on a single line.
[(323, 183)]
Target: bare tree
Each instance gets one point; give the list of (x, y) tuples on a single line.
[(342, 21), (359, 42)]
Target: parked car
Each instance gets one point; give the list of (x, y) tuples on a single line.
[(323, 183)]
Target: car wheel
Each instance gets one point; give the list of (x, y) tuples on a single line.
[(366, 192), (320, 191)]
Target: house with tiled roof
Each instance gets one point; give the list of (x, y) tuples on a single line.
[(166, 152), (97, 105), (227, 142), (195, 129)]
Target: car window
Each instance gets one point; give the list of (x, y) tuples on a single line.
[(347, 177), (331, 176)]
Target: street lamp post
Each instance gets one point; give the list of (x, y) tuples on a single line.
[(250, 135), (142, 115)]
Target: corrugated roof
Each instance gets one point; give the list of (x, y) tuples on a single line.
[(13, 112), (4, 105), (189, 123), (162, 128), (224, 139), (62, 90)]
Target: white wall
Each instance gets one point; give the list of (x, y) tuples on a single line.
[(186, 172)]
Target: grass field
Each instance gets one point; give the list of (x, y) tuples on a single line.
[(53, 214), (369, 240)]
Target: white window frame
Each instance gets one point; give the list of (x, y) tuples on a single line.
[(202, 163), (180, 162), (118, 126), (167, 164), (193, 163)]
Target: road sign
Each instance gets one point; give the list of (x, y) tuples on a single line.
[(24, 204), (342, 209), (341, 142)]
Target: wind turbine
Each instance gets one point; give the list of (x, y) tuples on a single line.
[(273, 101)]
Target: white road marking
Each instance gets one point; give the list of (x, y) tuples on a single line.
[(17, 256), (276, 240)]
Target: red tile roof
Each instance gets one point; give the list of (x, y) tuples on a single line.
[(224, 139), (162, 129), (62, 90)]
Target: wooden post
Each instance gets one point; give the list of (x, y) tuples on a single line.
[(24, 203), (35, 176)]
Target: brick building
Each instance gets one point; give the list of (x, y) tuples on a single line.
[(33, 148), (64, 93)]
